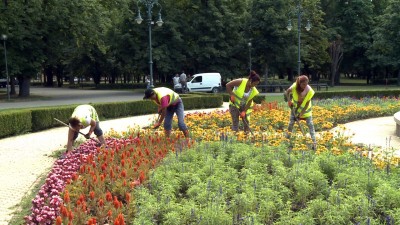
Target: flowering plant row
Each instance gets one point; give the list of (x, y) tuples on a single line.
[(96, 186)]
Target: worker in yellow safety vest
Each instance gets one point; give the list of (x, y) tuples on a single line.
[(300, 103), (82, 117), (241, 92), (168, 103)]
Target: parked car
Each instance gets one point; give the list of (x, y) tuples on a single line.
[(3, 83), (202, 82)]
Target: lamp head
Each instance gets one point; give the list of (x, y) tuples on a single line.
[(139, 18), (3, 37), (308, 26), (159, 21), (289, 26)]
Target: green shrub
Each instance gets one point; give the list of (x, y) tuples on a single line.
[(224, 183), (15, 122), (43, 118)]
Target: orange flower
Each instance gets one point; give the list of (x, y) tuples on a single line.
[(142, 176), (70, 216), (58, 220), (101, 202), (109, 196), (119, 220), (67, 199), (91, 195)]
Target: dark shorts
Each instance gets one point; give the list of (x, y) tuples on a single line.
[(97, 131)]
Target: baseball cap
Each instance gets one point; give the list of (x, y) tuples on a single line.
[(148, 93)]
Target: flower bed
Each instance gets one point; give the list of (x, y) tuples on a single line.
[(97, 186)]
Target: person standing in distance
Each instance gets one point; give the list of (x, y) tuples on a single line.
[(183, 81), (241, 92), (168, 103), (82, 117)]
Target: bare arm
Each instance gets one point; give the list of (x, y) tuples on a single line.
[(231, 85), (92, 127), (162, 113), (70, 140)]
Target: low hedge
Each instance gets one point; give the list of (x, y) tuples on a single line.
[(36, 119), (15, 122), (357, 94)]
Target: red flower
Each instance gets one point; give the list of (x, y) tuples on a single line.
[(101, 202), (91, 195), (66, 197), (142, 176), (58, 220), (109, 196)]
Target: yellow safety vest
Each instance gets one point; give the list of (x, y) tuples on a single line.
[(308, 97), (84, 113), (239, 93), (162, 91)]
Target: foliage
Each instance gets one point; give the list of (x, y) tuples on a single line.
[(226, 178), (245, 184), (100, 40)]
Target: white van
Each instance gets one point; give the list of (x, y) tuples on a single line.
[(203, 82)]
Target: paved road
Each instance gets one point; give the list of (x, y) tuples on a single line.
[(66, 96)]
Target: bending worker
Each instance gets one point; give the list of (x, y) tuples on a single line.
[(168, 103), (241, 92), (82, 117), (300, 105)]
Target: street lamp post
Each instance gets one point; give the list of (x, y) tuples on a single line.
[(249, 44), (308, 27), (149, 4), (4, 38)]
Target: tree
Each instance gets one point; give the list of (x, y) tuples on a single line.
[(384, 51)]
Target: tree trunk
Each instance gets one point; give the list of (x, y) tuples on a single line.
[(290, 74), (48, 73), (266, 74), (24, 86), (12, 85), (336, 54), (398, 78)]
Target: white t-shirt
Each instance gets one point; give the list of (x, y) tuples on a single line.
[(175, 80), (182, 77)]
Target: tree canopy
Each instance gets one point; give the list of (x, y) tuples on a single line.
[(100, 39)]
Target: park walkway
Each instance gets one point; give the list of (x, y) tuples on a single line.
[(25, 158)]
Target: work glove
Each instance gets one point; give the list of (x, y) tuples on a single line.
[(87, 136), (290, 104), (232, 98), (156, 125), (243, 114)]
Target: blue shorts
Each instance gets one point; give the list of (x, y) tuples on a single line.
[(97, 131)]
